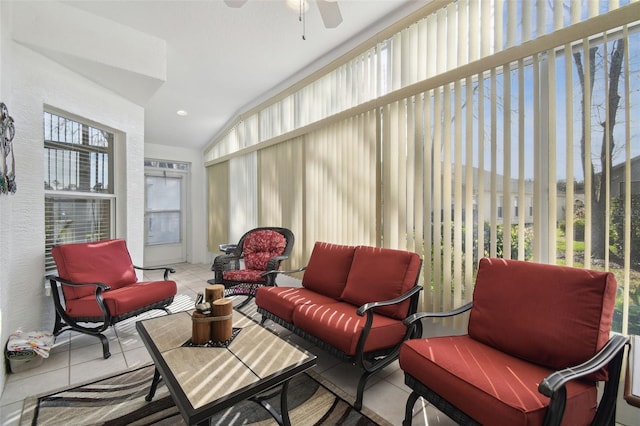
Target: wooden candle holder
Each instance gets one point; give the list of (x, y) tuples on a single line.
[(222, 324), (213, 292), (201, 328)]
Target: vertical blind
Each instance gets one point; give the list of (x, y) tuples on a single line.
[(219, 216), (467, 134)]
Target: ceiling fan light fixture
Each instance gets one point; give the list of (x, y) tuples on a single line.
[(295, 5)]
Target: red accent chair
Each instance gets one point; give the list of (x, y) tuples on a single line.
[(538, 341), (97, 283), (253, 262)]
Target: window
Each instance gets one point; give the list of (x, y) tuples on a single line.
[(78, 182)]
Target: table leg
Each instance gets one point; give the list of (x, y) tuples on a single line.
[(154, 385), (282, 418), (284, 407)]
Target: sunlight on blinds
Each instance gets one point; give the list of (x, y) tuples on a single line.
[(218, 195), (464, 134), (243, 195), (280, 191), (340, 183)]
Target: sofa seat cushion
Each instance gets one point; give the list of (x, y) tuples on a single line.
[(244, 275), (328, 269), (123, 300), (379, 274), (490, 384), (281, 301), (580, 300), (107, 262), (338, 325)]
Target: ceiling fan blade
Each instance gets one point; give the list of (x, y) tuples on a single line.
[(235, 3), (330, 12)]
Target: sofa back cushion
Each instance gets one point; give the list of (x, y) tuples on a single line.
[(328, 269), (106, 262), (379, 274), (555, 316), (260, 246)]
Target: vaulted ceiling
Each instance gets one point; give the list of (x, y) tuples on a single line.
[(203, 57)]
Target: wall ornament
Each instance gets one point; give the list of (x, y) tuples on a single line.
[(7, 132)]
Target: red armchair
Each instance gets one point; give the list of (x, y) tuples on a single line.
[(538, 341), (97, 284)]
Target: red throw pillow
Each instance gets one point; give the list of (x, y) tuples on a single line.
[(555, 316), (328, 269)]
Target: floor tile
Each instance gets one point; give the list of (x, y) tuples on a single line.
[(55, 361), (10, 414), (92, 352), (97, 368), (17, 390), (137, 357)]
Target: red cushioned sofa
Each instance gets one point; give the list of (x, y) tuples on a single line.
[(538, 340), (97, 283), (352, 302)]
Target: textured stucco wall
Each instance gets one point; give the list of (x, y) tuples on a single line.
[(29, 81)]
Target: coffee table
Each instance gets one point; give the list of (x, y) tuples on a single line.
[(205, 380)]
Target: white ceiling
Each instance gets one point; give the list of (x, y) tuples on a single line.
[(222, 60)]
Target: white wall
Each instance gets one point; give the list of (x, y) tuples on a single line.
[(197, 203), (29, 81)]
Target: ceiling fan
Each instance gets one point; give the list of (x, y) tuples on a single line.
[(329, 10)]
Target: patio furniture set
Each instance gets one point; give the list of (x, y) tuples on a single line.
[(538, 339)]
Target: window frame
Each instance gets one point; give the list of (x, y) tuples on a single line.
[(65, 195)]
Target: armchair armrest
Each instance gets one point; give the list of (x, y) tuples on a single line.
[(228, 248), (53, 279), (274, 262), (224, 259), (58, 298), (552, 383), (223, 263), (167, 270), (276, 271), (368, 306), (419, 315)]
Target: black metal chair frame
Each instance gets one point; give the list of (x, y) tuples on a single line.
[(63, 322), (234, 253), (553, 386)]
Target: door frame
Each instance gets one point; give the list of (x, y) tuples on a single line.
[(165, 254)]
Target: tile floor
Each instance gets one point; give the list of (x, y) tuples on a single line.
[(76, 358)]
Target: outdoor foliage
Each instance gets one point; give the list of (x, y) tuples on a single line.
[(617, 227), (528, 235)]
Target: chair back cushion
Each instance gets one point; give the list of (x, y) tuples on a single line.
[(379, 274), (106, 262), (260, 246), (555, 316), (328, 269)]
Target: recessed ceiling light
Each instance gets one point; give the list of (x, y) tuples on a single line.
[(182, 112)]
